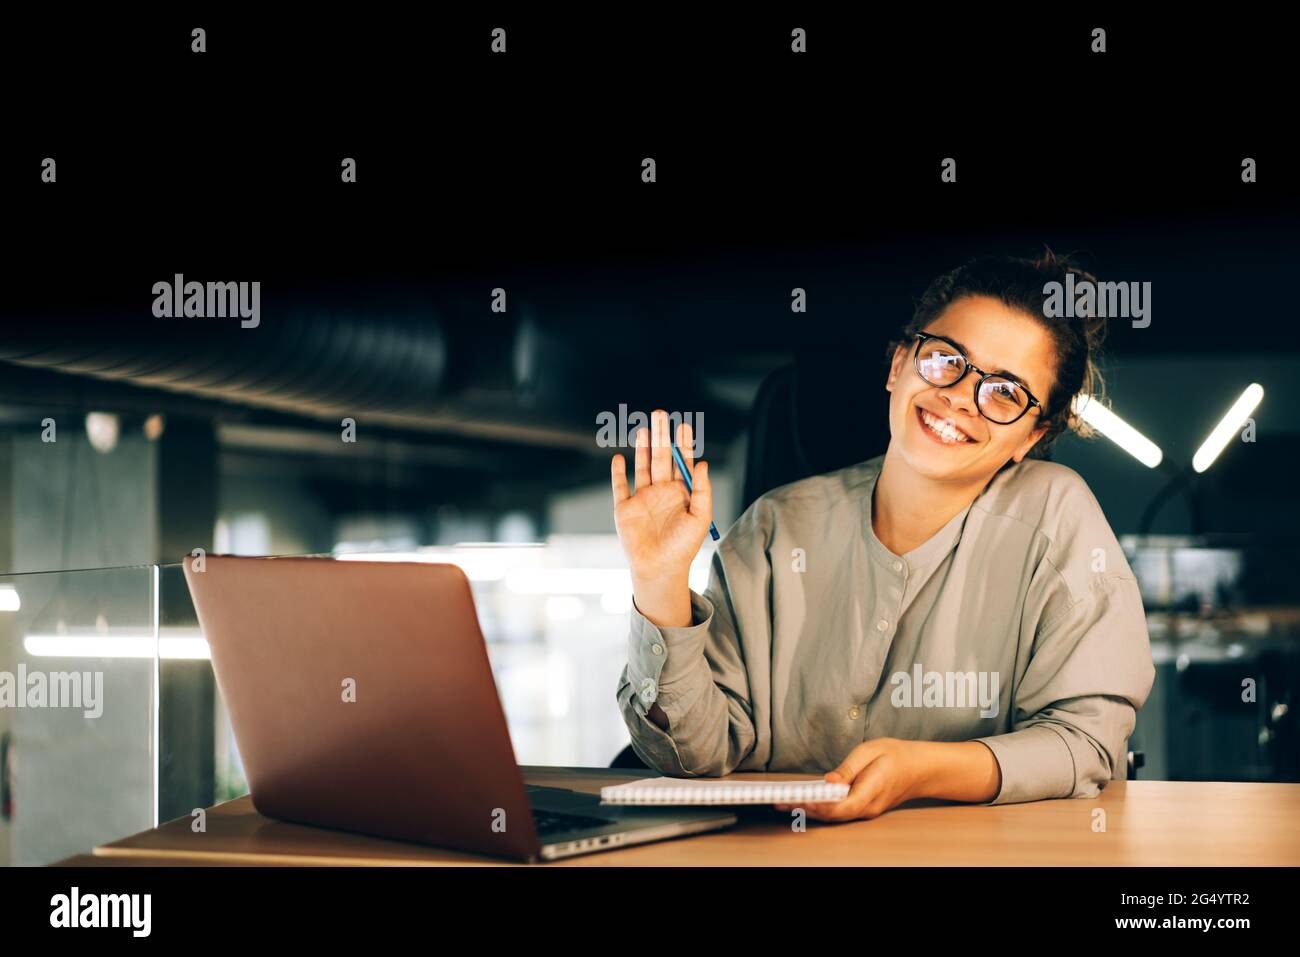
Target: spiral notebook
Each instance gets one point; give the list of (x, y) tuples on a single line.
[(723, 791)]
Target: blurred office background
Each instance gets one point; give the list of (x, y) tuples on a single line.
[(476, 442)]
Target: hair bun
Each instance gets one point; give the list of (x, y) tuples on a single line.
[(1092, 325)]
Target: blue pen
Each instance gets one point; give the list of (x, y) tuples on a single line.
[(686, 477)]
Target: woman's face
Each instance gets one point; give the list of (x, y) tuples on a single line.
[(995, 338)]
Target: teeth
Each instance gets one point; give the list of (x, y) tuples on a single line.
[(943, 427)]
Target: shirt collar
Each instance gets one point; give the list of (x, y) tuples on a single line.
[(936, 547)]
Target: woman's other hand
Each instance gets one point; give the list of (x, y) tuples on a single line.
[(881, 773)]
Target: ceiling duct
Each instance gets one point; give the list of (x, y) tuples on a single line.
[(317, 362)]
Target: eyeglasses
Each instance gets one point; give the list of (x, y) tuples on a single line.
[(999, 398)]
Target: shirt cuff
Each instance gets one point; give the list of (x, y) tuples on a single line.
[(659, 657), (1036, 763), (652, 744)]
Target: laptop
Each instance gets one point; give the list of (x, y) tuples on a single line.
[(362, 699)]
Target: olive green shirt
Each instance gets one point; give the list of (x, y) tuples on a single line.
[(1019, 624)]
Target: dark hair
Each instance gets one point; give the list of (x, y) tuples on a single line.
[(1018, 284)]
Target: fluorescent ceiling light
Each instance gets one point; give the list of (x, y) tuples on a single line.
[(1233, 420), (1118, 431), (192, 647), (568, 581), (479, 562)]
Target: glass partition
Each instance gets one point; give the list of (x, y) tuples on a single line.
[(78, 695)]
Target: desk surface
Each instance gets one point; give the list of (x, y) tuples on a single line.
[(1171, 823)]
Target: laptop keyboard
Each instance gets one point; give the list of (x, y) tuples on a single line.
[(549, 822)]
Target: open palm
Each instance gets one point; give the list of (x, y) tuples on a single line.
[(661, 526)]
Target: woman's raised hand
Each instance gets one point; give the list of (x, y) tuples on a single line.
[(661, 526)]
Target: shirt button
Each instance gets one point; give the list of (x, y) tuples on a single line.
[(657, 648), (648, 690), (882, 625), (855, 712), (898, 566)]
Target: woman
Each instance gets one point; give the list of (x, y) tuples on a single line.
[(953, 619)]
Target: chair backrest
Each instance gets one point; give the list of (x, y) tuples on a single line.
[(822, 413)]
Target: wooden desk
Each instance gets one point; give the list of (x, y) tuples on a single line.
[(1171, 823)]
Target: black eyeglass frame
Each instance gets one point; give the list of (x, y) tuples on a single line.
[(968, 366)]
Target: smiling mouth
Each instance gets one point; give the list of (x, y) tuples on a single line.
[(941, 430)]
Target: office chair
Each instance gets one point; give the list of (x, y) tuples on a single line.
[(822, 413)]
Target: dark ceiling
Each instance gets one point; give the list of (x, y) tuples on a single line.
[(526, 176)]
